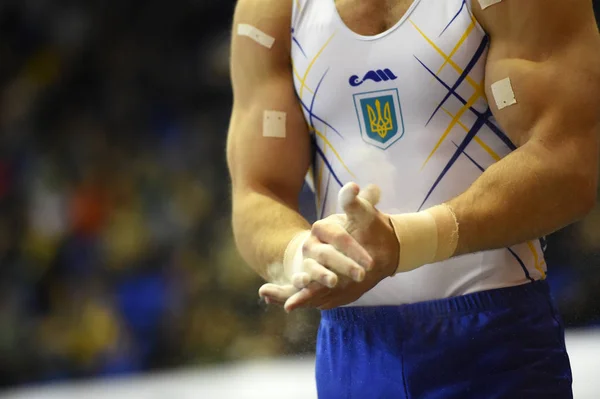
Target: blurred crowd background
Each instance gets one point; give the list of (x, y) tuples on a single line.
[(116, 252)]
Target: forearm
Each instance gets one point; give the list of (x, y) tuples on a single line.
[(530, 193), (263, 227)]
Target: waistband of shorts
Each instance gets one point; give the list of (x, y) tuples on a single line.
[(525, 295)]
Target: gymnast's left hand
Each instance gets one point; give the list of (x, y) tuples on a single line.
[(373, 230)]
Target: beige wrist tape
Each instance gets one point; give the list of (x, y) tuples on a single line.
[(292, 257), (425, 237)]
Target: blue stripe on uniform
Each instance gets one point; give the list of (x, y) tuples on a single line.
[(325, 197), (463, 75), (508, 249), (326, 162), (299, 46), (468, 138), (462, 6), (495, 129), (521, 263), (471, 159)]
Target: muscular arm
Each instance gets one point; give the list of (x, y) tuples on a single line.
[(550, 49), (267, 173)]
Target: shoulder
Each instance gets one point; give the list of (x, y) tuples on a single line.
[(265, 9), (267, 18), (274, 16), (271, 17), (540, 28), (556, 39)]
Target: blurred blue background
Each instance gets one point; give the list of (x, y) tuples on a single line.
[(115, 237)]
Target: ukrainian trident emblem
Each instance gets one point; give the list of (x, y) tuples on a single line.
[(380, 124), (380, 117)]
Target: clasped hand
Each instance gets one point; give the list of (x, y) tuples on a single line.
[(344, 257)]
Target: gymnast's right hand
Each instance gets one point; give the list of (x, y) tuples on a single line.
[(322, 254)]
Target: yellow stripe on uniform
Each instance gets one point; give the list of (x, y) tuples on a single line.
[(539, 266), (303, 85), (297, 75), (337, 155), (487, 149), (536, 259), (460, 43), (311, 64), (478, 88), (483, 145), (451, 125)]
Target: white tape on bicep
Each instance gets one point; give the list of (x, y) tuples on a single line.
[(255, 34), (503, 93), (486, 3), (274, 124)]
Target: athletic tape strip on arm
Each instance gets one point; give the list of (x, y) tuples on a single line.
[(274, 124), (425, 237), (255, 34)]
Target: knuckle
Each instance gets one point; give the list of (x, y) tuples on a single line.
[(331, 219), (313, 268), (337, 234), (345, 239), (321, 256), (325, 230), (371, 264), (306, 247), (307, 266), (309, 245), (318, 227)]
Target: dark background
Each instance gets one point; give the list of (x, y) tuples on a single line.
[(115, 240)]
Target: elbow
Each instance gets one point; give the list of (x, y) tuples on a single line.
[(585, 195), (238, 209), (586, 205), (579, 181)]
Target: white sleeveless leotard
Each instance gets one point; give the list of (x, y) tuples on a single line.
[(406, 110)]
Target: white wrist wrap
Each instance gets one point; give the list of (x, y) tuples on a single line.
[(293, 258), (425, 237)]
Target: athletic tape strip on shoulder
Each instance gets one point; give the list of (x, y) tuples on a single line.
[(503, 93), (255, 34), (487, 3)]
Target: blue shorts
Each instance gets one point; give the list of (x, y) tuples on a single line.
[(504, 343)]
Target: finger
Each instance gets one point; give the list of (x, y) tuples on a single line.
[(371, 193), (342, 241), (347, 196), (332, 302), (301, 280), (319, 273), (280, 293), (271, 301), (326, 306), (325, 259), (357, 209), (309, 296)]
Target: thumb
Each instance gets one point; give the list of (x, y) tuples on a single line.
[(356, 208), (371, 193)]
